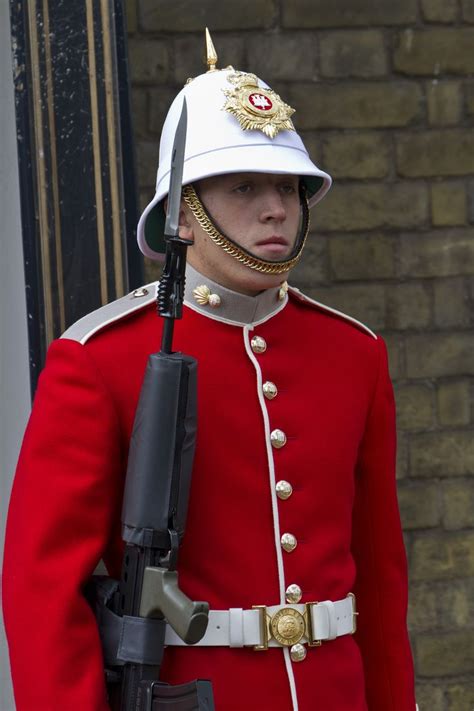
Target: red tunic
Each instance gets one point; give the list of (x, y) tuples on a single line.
[(335, 405)]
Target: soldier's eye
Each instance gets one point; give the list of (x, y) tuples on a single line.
[(243, 188)]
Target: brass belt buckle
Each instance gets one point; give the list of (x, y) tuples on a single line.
[(288, 626), (354, 612), (311, 633), (264, 628)]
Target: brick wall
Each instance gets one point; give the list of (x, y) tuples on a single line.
[(384, 94)]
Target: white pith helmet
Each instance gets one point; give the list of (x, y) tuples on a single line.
[(231, 118)]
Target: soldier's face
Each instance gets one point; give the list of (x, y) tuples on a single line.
[(259, 211)]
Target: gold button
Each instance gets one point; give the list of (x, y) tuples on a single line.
[(293, 593), (258, 344), (270, 390), (283, 489), (139, 292), (288, 542), (278, 439), (297, 653)]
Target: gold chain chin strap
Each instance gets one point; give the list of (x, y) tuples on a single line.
[(260, 265)]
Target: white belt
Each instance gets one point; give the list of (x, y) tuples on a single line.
[(276, 626)]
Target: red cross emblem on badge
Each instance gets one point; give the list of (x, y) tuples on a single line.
[(260, 102)]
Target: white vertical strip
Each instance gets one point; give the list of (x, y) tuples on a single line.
[(15, 397), (291, 677), (276, 520)]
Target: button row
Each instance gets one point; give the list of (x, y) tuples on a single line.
[(284, 490)]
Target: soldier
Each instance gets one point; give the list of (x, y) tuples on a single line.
[(293, 498)]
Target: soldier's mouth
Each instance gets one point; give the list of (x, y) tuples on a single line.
[(275, 245)]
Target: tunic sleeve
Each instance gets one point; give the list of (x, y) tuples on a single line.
[(379, 554), (64, 499)]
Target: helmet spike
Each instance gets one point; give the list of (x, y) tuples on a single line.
[(211, 54)]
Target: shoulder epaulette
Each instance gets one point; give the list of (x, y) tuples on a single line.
[(87, 326), (323, 307)]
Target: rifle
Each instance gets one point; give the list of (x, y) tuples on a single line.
[(133, 614)]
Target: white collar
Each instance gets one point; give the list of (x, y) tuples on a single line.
[(231, 306)]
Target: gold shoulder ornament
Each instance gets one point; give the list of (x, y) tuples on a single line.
[(257, 108)]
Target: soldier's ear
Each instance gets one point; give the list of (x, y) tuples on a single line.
[(185, 227)]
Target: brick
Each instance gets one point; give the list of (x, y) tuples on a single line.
[(435, 51), (451, 307), (147, 163), (470, 200), (439, 253), (356, 155), (430, 697), (448, 204), (448, 453), (189, 55), (166, 16), (312, 142), (139, 109), (423, 607), (461, 696), (470, 100), (436, 153), (444, 102), (402, 456), (362, 256), (144, 197), (408, 305), (359, 53), (355, 105), (320, 13), (442, 556), (438, 354), (365, 302), (449, 654), (153, 270), (373, 206), (439, 10), (419, 507), (415, 406), (458, 504), (283, 56), (468, 16), (441, 605), (395, 355), (454, 403), (159, 102), (131, 15), (149, 61), (313, 266), (456, 603)]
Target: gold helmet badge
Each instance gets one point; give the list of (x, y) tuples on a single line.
[(257, 108), (254, 107)]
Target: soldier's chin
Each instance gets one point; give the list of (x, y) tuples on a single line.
[(272, 252)]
